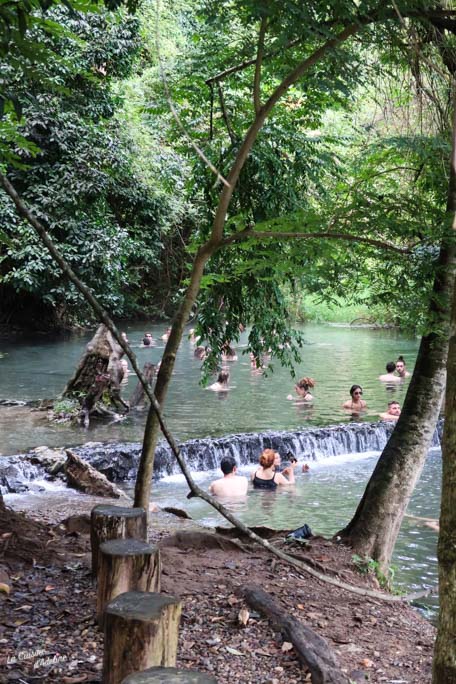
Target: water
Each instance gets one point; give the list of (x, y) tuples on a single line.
[(326, 498), (336, 357)]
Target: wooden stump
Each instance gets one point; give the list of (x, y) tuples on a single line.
[(139, 393), (126, 565), (140, 631), (115, 522), (169, 675)]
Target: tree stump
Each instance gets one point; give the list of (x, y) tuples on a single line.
[(115, 522), (139, 394), (140, 631), (126, 565), (169, 675)]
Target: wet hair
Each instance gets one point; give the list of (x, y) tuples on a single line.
[(353, 388), (267, 458), (147, 340), (223, 377), (305, 383), (390, 403), (228, 350), (228, 464), (401, 358), (390, 366)]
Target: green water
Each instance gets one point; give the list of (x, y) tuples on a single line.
[(335, 357)]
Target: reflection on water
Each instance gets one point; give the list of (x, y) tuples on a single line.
[(336, 357), (326, 498)]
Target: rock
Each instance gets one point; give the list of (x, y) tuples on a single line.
[(84, 477), (53, 460), (77, 523)]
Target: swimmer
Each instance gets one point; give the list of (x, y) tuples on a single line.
[(389, 375), (356, 404), (401, 371), (192, 336), (302, 389), (148, 340), (393, 412), (265, 477), (228, 353), (230, 484), (165, 336), (200, 353), (221, 385), (124, 336)]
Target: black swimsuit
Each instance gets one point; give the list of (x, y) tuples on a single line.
[(259, 483)]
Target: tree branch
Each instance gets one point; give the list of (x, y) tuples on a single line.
[(259, 60), (225, 116), (260, 235)]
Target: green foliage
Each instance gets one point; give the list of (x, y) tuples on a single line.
[(366, 566)]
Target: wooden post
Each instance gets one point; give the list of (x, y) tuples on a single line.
[(126, 565), (140, 631), (169, 675), (115, 522), (139, 394)]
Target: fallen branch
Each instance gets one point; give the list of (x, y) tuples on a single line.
[(311, 649)]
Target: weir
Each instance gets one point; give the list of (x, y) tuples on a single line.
[(119, 461)]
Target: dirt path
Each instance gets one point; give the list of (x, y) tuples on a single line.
[(47, 621)]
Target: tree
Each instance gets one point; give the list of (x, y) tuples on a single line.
[(332, 34)]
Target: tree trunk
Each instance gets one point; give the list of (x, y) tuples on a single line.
[(444, 664), (169, 675), (98, 375), (141, 631), (139, 392), (115, 522), (126, 565), (374, 528)]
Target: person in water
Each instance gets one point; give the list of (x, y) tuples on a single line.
[(230, 484), (393, 412), (389, 375), (166, 335), (228, 353), (221, 385), (148, 340), (302, 389), (401, 370), (265, 477), (356, 404), (200, 352)]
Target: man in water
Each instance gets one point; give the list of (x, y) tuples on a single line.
[(393, 413), (230, 484), (389, 375)]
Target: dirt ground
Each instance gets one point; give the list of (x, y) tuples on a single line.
[(48, 632)]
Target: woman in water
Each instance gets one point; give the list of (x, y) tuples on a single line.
[(266, 477), (356, 404), (222, 382), (302, 389)]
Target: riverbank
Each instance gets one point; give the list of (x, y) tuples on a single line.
[(50, 607)]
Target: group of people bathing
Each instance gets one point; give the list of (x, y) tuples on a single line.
[(395, 372), (268, 476)]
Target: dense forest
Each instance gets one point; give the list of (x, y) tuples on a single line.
[(355, 151)]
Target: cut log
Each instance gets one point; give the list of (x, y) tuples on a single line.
[(115, 522), (311, 649), (126, 565), (86, 478), (138, 394), (169, 675), (140, 631)]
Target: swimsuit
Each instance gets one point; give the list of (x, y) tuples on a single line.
[(259, 483)]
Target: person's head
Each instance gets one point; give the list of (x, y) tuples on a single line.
[(400, 365), (223, 377), (394, 408), (267, 458), (304, 385), (124, 336), (390, 367), (227, 349), (228, 465), (356, 392), (147, 339), (200, 352)]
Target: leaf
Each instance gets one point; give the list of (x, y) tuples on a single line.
[(243, 616), (286, 646), (49, 587), (366, 662), (74, 680), (233, 651), (233, 600), (300, 606), (5, 588)]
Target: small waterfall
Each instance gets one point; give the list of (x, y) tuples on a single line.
[(119, 461)]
